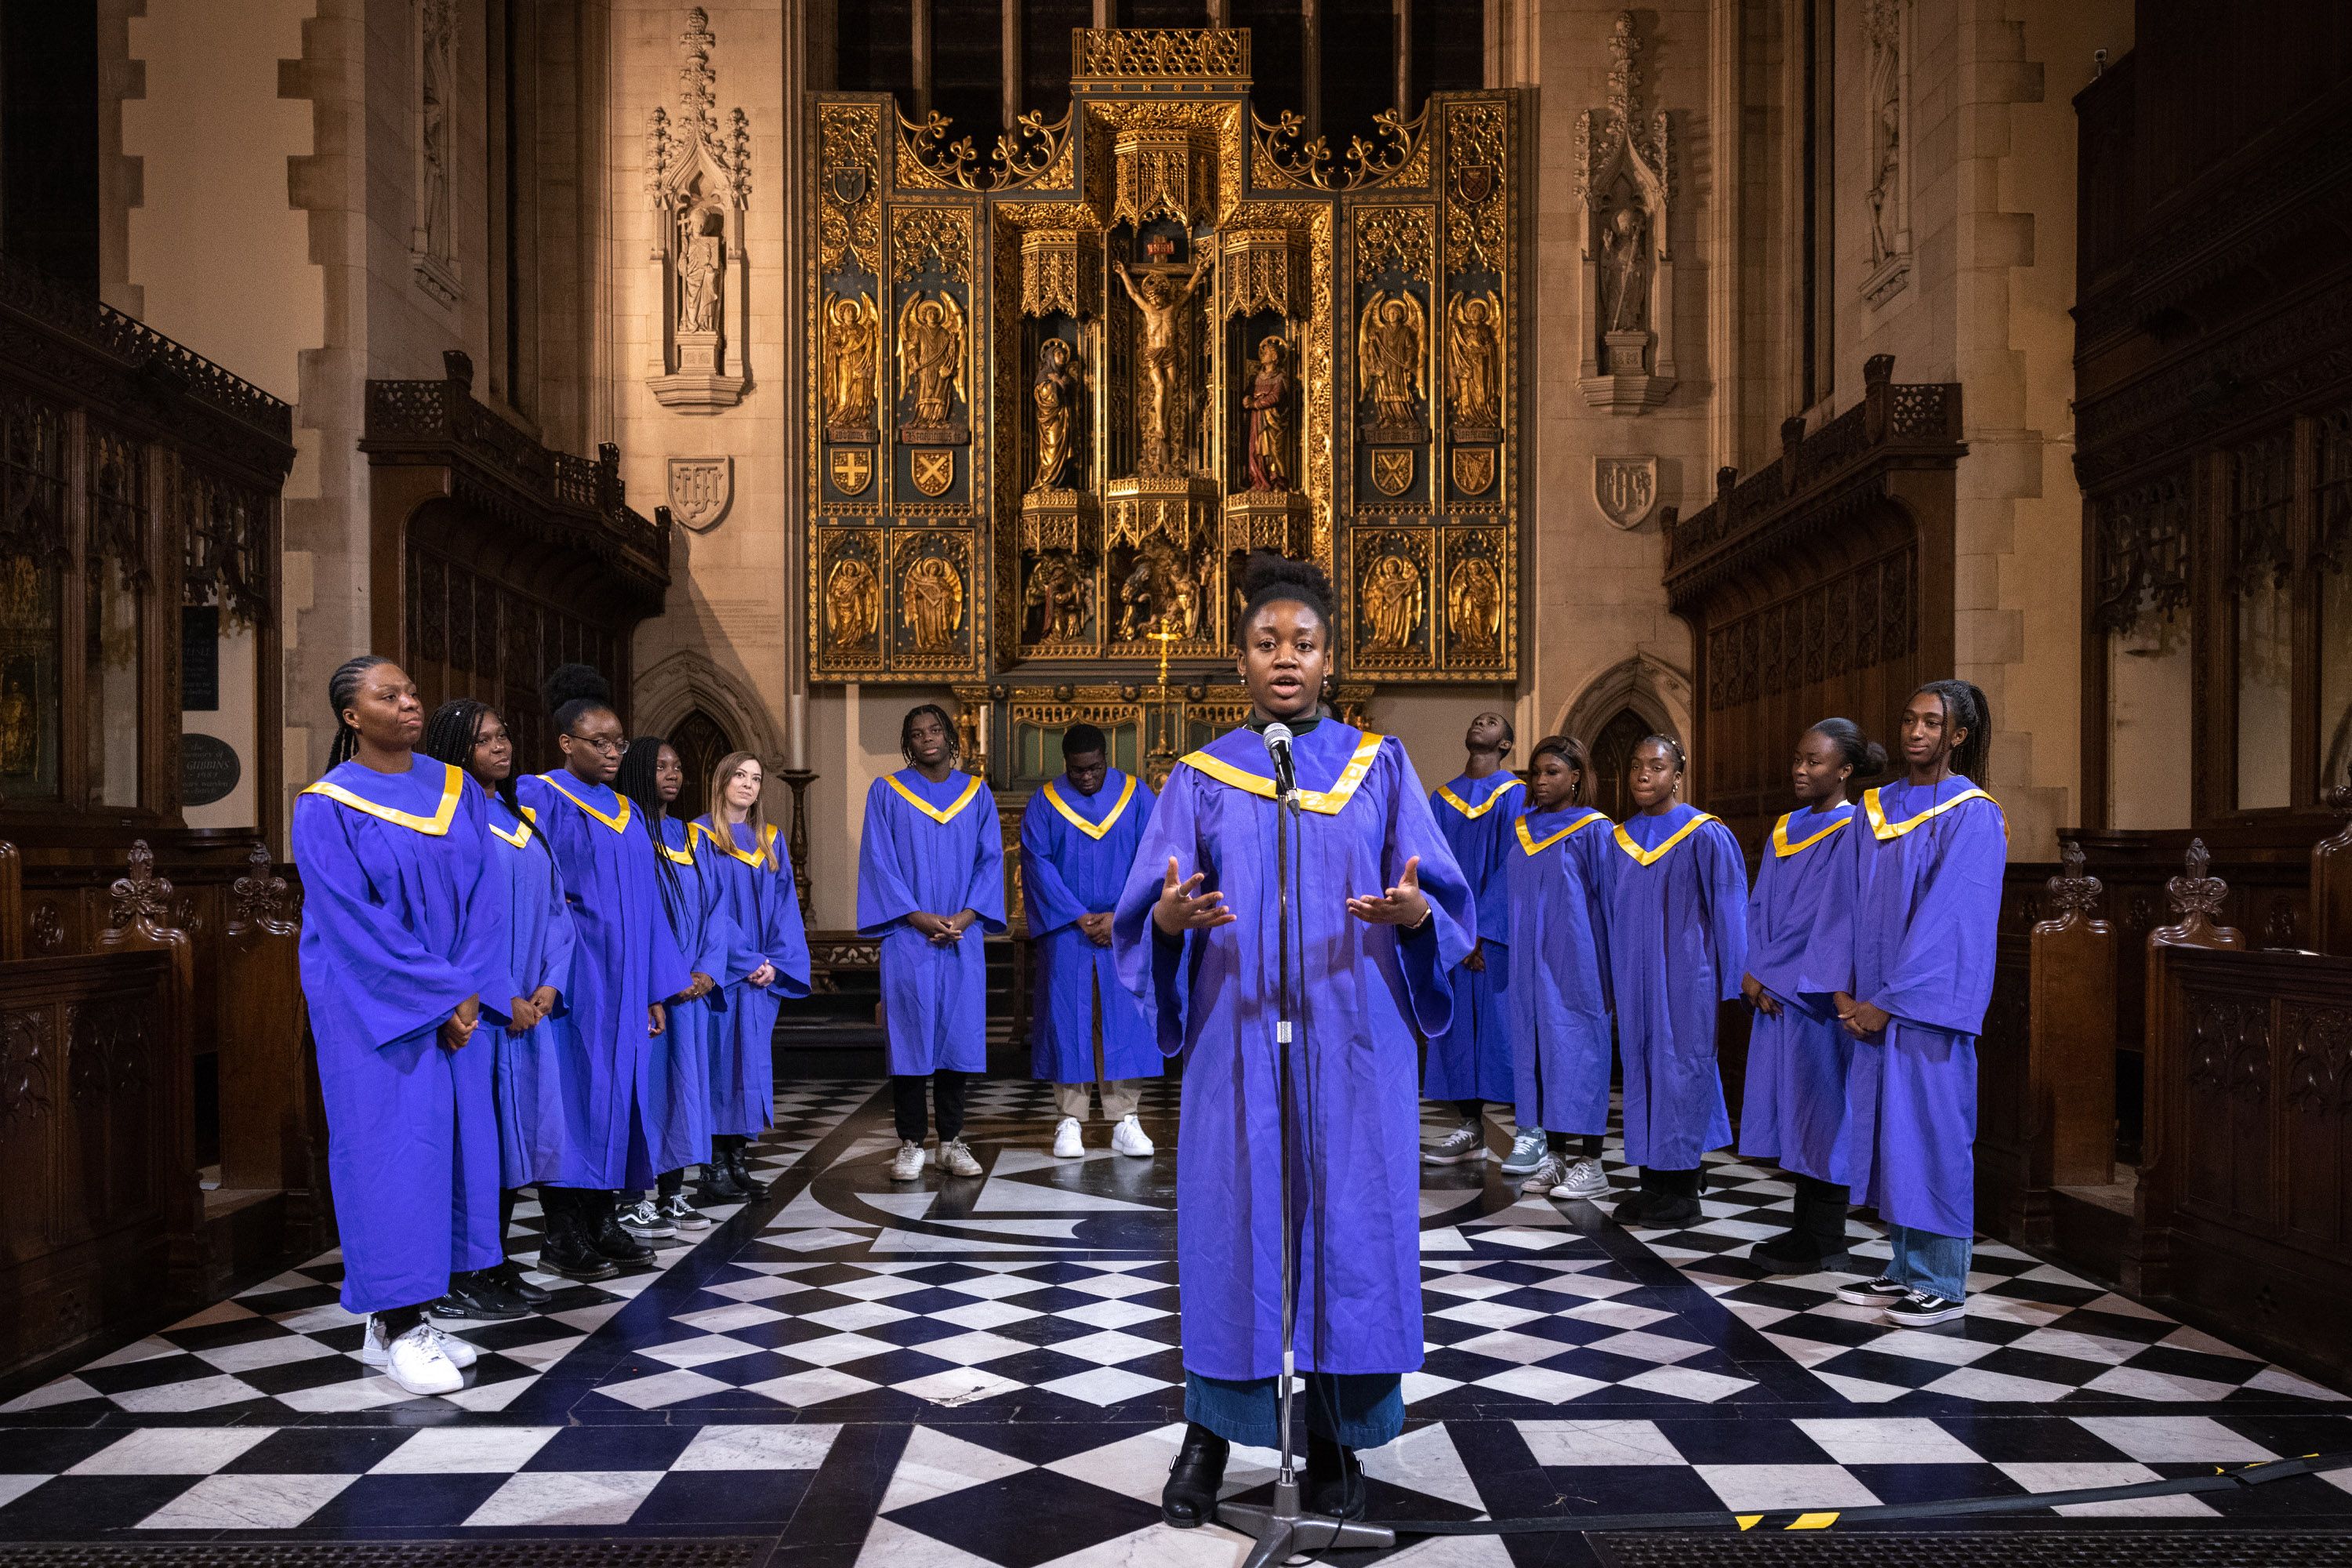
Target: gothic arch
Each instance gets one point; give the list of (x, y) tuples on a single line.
[(681, 682), (1647, 685)]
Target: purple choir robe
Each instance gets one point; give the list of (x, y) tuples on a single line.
[(931, 848), (1928, 865), (1560, 874), (711, 945), (1471, 1060), (532, 1066), (1355, 1138), (755, 879), (400, 925), (626, 959), (1678, 948), (1800, 947), (1076, 851)]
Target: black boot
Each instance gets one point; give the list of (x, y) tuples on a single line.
[(567, 1250), (716, 1184), (1636, 1203), (1676, 1205), (1792, 1252), (1190, 1498), (607, 1237), (742, 1171), (510, 1274), (1335, 1480), (1825, 1210)]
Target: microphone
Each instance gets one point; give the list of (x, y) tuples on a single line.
[(1277, 747)]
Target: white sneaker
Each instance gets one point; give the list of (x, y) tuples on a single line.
[(1068, 1144), (955, 1158), (460, 1353), (1129, 1138), (1550, 1173), (416, 1362), (1583, 1179), (375, 1352), (907, 1165), (1526, 1154)]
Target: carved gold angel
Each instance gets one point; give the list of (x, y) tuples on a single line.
[(853, 605), (1392, 602), (1388, 338), (930, 355), (1474, 361), (933, 597), (852, 328)]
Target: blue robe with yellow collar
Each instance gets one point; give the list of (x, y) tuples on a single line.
[(1561, 875), (1471, 1060), (931, 848), (1800, 948), (1076, 851), (532, 1066), (755, 879)]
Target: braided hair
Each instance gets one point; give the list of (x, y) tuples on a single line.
[(342, 690), (1572, 753), (634, 784), (907, 732), (1269, 578), (1865, 756), (450, 736), (575, 689), (1965, 708), (1682, 759)]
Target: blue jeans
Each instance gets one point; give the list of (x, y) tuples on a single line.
[(1937, 1265), (1357, 1410)]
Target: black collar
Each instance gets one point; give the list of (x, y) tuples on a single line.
[(1301, 726)]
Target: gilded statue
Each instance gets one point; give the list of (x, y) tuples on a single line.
[(853, 605), (1062, 594), (931, 357), (1267, 397), (1387, 356), (853, 327), (1055, 395), (1392, 603), (1625, 269), (1474, 363), (1474, 606), (1159, 594), (932, 595), (1159, 357)]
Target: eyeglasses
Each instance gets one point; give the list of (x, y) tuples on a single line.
[(609, 747)]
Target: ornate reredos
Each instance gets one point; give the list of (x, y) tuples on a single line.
[(1033, 519)]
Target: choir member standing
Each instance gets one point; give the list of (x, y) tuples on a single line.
[(1799, 953), (402, 958), (1930, 850), (755, 879), (530, 1051), (1470, 1064), (1381, 917), (1560, 874), (1678, 947), (624, 961), (651, 777), (931, 844), (1078, 836)]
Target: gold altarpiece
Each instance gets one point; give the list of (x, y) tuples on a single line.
[(1057, 394)]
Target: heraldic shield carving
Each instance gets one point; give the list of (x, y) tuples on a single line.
[(1057, 392)]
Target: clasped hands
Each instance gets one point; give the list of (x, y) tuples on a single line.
[(1183, 906), (943, 930)]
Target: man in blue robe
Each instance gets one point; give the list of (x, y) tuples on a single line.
[(1470, 1064), (1078, 839)]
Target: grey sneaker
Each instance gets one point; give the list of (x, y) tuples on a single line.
[(1583, 1179), (1549, 1173), (955, 1157), (1467, 1142), (1526, 1154)]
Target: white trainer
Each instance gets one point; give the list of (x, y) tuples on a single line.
[(907, 1165), (1068, 1144), (375, 1352), (416, 1362), (955, 1158), (1129, 1138), (1584, 1179), (460, 1353)]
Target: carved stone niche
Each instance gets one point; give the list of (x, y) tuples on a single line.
[(698, 183), (432, 238), (1058, 552), (1624, 160), (1157, 534), (1887, 95)]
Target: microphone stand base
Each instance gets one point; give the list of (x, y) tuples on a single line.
[(1282, 1530)]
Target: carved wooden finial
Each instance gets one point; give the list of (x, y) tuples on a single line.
[(260, 896), (2194, 893), (141, 894), (2071, 891)]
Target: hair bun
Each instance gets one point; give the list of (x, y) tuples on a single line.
[(575, 683), (1875, 757), (1268, 569)]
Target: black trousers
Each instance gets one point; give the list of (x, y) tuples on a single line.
[(947, 1095)]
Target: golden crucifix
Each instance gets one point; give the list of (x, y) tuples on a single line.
[(1165, 635)]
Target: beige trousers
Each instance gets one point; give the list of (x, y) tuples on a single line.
[(1119, 1095)]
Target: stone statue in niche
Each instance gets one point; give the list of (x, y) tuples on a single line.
[(701, 253), (1474, 364), (853, 327), (1160, 421), (1268, 398), (432, 246), (1055, 397), (1625, 271), (930, 363), (697, 169), (1389, 352), (1063, 595)]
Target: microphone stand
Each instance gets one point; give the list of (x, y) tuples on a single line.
[(1285, 1528)]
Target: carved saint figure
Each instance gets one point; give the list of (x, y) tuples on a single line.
[(1392, 602), (1474, 606), (1268, 398), (930, 355), (1063, 594), (1886, 134), (1389, 359), (1473, 364), (438, 22), (933, 597), (853, 605), (1625, 269), (852, 329), (1055, 394), (20, 737), (1159, 362), (1159, 594), (698, 259)]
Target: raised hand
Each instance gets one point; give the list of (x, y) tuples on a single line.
[(1402, 905), (1182, 907)]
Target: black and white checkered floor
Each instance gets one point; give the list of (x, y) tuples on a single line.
[(987, 1371)]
